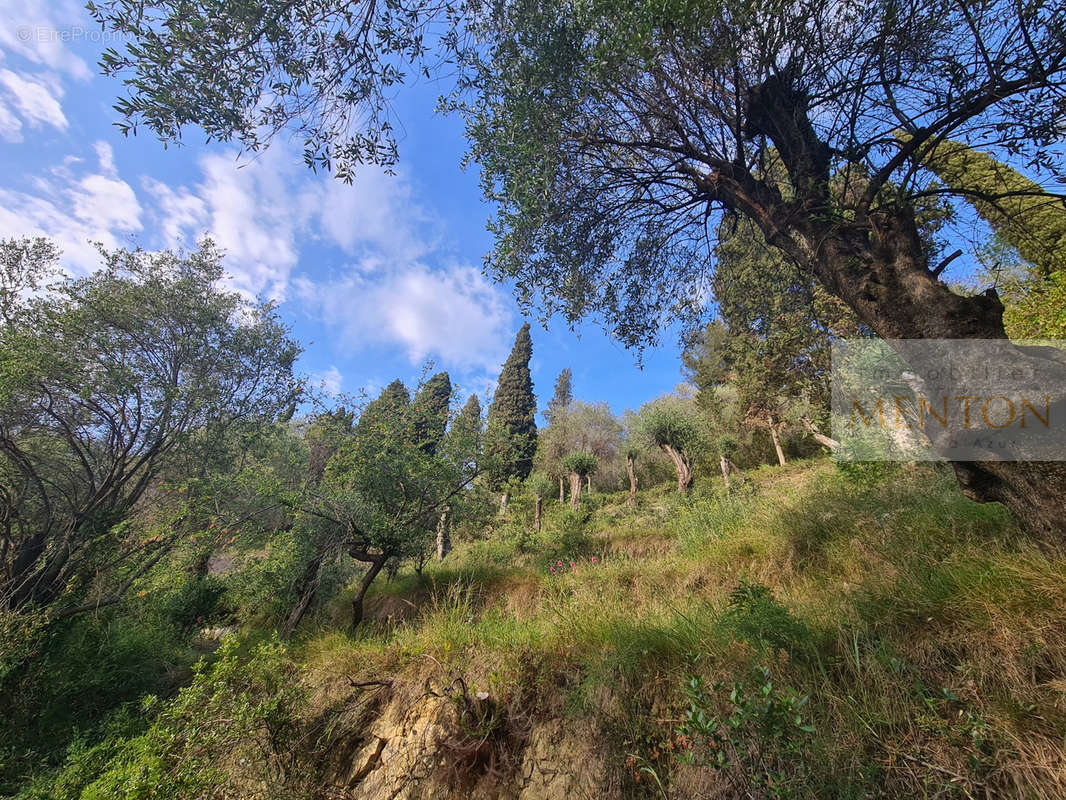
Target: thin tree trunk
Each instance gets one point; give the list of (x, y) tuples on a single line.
[(777, 442), (575, 490), (503, 503), (632, 482), (562, 490), (724, 464), (588, 483), (309, 586), (357, 601), (444, 541), (734, 469), (536, 513), (817, 435)]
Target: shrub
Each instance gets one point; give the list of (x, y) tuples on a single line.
[(761, 745)]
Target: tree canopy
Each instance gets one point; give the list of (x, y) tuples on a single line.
[(106, 382)]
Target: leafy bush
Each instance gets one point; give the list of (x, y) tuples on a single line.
[(761, 745), (196, 600), (244, 708), (79, 675), (569, 532)]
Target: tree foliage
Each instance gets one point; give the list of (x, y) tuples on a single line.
[(246, 71), (511, 439), (672, 423), (1019, 211), (108, 382), (431, 410), (563, 396), (383, 490)]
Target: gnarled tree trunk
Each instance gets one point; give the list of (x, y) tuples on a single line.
[(875, 260), (682, 466)]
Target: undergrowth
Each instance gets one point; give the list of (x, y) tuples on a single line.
[(815, 634)]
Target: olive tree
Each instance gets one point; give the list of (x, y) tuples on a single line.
[(106, 383), (672, 423), (610, 134), (578, 466), (383, 491)]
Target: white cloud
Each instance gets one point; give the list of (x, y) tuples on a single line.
[(329, 381), (36, 98), (377, 213), (10, 125), (262, 214), (75, 209), (42, 31), (259, 211), (178, 211), (254, 211), (453, 314)]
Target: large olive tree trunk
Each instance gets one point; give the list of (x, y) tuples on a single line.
[(875, 259)]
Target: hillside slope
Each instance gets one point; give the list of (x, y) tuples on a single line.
[(816, 634)]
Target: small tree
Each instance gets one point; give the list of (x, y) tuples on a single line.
[(632, 453), (672, 424), (383, 492), (541, 486), (563, 395), (511, 439), (579, 466)]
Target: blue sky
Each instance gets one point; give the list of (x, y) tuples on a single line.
[(374, 278)]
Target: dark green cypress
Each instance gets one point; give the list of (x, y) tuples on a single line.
[(384, 410), (1020, 212), (512, 427), (469, 418), (564, 394), (430, 408)]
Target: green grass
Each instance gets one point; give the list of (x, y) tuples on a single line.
[(928, 635)]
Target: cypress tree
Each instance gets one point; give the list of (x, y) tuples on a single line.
[(387, 410), (1027, 219), (512, 427), (467, 423), (563, 396), (430, 409)]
